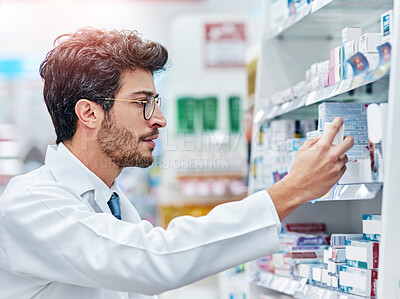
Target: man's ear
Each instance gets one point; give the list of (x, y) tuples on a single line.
[(89, 113)]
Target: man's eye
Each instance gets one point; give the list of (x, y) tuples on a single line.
[(140, 102)]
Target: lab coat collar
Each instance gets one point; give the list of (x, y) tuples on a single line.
[(69, 170)]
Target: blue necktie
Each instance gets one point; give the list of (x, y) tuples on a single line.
[(113, 204)]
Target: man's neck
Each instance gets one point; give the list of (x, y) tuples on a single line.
[(94, 159)]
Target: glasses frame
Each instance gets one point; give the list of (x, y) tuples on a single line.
[(156, 100)]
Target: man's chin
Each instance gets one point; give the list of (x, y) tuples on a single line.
[(142, 162)]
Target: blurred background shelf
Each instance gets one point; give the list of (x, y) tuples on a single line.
[(325, 19)]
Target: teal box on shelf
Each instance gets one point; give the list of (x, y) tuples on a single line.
[(357, 281), (372, 227), (362, 254)]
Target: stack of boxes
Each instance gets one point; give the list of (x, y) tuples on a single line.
[(368, 46), (359, 275), (350, 263), (278, 143), (332, 71), (300, 243), (350, 46), (335, 257), (335, 66)]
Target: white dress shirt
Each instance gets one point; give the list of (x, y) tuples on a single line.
[(58, 238)]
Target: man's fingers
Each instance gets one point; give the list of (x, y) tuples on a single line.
[(344, 146), (341, 173), (343, 159), (332, 130), (309, 143)]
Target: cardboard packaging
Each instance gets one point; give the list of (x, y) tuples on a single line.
[(372, 227), (357, 281), (362, 254)]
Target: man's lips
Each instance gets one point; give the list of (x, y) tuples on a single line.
[(150, 140)]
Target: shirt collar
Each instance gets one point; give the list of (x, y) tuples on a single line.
[(69, 170)]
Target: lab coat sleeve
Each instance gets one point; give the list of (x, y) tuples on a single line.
[(48, 233)]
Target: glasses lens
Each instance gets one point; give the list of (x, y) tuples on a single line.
[(149, 107)]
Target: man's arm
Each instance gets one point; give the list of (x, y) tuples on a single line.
[(317, 167)]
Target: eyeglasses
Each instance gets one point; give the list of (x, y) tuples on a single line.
[(149, 104)]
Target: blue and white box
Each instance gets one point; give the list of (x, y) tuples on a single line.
[(372, 227), (339, 240), (362, 254), (341, 109), (357, 281)]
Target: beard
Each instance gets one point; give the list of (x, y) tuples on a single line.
[(121, 144)]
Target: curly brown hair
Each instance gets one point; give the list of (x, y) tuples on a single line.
[(88, 64)]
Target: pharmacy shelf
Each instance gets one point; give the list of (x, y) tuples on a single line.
[(297, 288), (366, 191), (326, 18), (286, 52), (339, 92)]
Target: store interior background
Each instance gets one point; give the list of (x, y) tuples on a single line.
[(173, 187)]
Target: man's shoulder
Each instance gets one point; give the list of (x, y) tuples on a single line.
[(37, 176), (35, 181)]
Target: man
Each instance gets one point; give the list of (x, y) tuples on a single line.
[(67, 230)]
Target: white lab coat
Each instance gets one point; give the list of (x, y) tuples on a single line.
[(58, 238)]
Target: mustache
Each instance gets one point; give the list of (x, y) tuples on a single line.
[(152, 133)]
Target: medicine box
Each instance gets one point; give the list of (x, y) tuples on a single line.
[(315, 83), (369, 42), (359, 136), (331, 77), (351, 122), (335, 282), (357, 281), (342, 109), (323, 67), (372, 227), (305, 228), (324, 278), (307, 254), (387, 26), (316, 274), (351, 34), (303, 271), (338, 73), (334, 268), (313, 134), (338, 255), (349, 49), (358, 171), (335, 57), (362, 254), (339, 240), (311, 240), (358, 151), (373, 60), (326, 256)]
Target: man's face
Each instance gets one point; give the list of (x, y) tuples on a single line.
[(125, 136)]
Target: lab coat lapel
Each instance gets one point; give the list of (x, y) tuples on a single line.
[(67, 172), (72, 173)]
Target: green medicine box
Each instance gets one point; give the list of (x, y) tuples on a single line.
[(186, 114), (234, 113), (210, 113)]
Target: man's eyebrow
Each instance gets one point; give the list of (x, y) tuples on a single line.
[(146, 92)]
